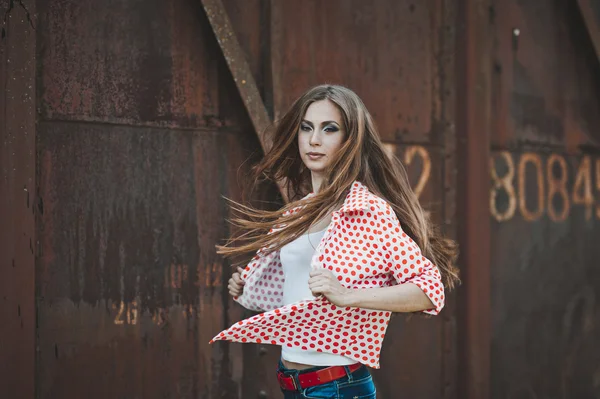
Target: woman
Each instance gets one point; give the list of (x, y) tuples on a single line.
[(331, 267)]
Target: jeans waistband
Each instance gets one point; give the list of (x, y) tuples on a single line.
[(360, 373)]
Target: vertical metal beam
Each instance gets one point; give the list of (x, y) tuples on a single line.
[(474, 68), (17, 205), (590, 10), (446, 97)]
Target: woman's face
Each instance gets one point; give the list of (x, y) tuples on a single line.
[(321, 135)]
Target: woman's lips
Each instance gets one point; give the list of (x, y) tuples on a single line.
[(315, 156)]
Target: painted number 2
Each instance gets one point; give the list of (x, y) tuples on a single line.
[(410, 154)]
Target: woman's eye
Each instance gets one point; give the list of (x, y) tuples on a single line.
[(331, 129), (305, 128)]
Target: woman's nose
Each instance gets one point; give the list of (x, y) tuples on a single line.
[(315, 138)]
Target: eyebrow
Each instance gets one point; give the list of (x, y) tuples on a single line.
[(322, 123)]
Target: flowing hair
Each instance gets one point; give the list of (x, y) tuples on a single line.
[(361, 157)]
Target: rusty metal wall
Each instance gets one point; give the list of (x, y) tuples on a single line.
[(141, 131), (545, 207), (17, 202)]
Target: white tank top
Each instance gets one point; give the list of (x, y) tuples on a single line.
[(296, 259)]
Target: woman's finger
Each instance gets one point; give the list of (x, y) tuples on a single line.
[(318, 288), (237, 279), (231, 283), (233, 287), (317, 280)]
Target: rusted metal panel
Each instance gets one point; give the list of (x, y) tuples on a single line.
[(17, 203), (384, 51), (129, 282), (137, 142), (162, 67), (544, 204), (540, 76)]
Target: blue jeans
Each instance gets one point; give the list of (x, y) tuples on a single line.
[(358, 385)]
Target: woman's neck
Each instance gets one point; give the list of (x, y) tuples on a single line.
[(317, 179)]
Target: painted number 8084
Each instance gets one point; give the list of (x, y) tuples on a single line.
[(555, 193)]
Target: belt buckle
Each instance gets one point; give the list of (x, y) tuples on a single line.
[(296, 385), (281, 376)]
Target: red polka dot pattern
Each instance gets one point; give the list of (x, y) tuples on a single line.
[(264, 276), (365, 247)]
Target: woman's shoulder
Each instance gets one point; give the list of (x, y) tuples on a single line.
[(362, 199)]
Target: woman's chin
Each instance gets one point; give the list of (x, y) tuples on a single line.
[(316, 167)]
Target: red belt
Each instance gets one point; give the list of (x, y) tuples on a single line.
[(315, 377)]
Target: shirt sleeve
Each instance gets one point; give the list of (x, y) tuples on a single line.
[(408, 265)]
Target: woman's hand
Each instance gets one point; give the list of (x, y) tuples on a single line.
[(322, 281), (236, 284)]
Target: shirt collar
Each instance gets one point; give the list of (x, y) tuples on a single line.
[(359, 198)]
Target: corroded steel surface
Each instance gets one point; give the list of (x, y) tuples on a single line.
[(387, 53), (134, 63), (18, 204), (545, 204), (141, 129), (128, 278), (141, 133)]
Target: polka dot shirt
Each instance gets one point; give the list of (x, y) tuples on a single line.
[(365, 247)]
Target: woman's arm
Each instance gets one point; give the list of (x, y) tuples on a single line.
[(398, 298), (419, 284)]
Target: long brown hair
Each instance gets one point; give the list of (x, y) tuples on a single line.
[(362, 157)]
